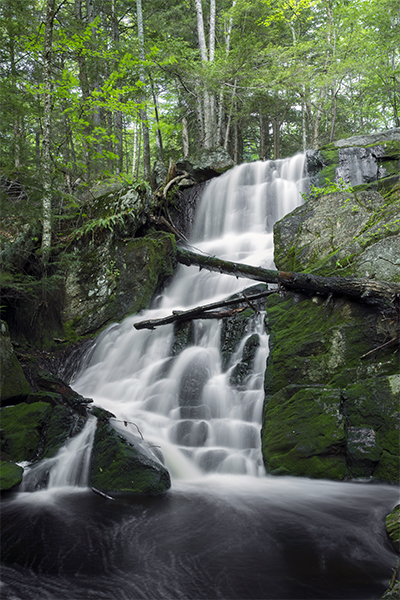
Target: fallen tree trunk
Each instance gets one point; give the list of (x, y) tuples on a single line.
[(364, 289), (204, 312)]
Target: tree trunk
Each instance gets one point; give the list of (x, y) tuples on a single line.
[(367, 290), (185, 137), (143, 111), (160, 149), (275, 127), (46, 140)]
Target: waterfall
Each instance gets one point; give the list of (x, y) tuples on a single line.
[(231, 536), (69, 467), (186, 405)]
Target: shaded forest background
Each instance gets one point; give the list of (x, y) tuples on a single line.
[(104, 87)]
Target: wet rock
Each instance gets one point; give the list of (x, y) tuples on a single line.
[(23, 429), (13, 384), (341, 233), (121, 465), (207, 163), (10, 475), (183, 208), (393, 527), (303, 433), (243, 369), (332, 345), (114, 279)]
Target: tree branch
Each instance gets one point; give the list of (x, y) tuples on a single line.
[(204, 312)]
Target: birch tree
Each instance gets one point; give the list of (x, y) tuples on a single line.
[(143, 111), (47, 131)]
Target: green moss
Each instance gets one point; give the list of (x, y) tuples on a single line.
[(314, 343), (393, 527), (64, 423), (303, 433), (119, 466), (23, 427), (13, 385), (10, 475)]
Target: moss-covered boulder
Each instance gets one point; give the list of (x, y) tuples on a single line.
[(115, 278), (23, 428), (125, 466), (343, 234), (348, 348), (10, 475), (318, 350), (304, 433), (207, 163), (362, 159), (13, 384), (393, 527)]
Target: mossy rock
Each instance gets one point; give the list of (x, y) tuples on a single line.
[(371, 407), (303, 433), (312, 342), (10, 475), (330, 235), (63, 424), (13, 384), (393, 527), (122, 466), (114, 279), (23, 428)]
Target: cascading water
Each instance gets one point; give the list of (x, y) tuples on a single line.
[(220, 532), (69, 467), (189, 408)]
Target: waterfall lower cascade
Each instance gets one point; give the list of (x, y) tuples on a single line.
[(186, 405)]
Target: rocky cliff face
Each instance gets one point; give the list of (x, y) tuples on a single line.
[(333, 375)]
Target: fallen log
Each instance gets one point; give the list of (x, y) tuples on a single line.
[(204, 312), (367, 290)]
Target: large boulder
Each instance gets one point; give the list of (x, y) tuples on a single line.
[(359, 160), (10, 475), (342, 233), (322, 376), (125, 464), (206, 164), (115, 278), (334, 348), (13, 384)]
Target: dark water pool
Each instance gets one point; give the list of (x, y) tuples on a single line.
[(221, 537)]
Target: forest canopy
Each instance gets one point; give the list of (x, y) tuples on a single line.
[(93, 88)]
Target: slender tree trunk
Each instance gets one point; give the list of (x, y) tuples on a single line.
[(160, 149), (208, 103), (275, 127), (185, 137), (261, 122), (47, 137), (143, 111), (117, 114), (199, 114), (228, 125)]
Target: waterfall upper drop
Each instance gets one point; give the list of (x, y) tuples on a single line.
[(187, 401)]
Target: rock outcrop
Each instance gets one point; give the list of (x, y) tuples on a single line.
[(333, 374)]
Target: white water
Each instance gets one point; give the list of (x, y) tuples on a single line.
[(68, 468), (188, 407)]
